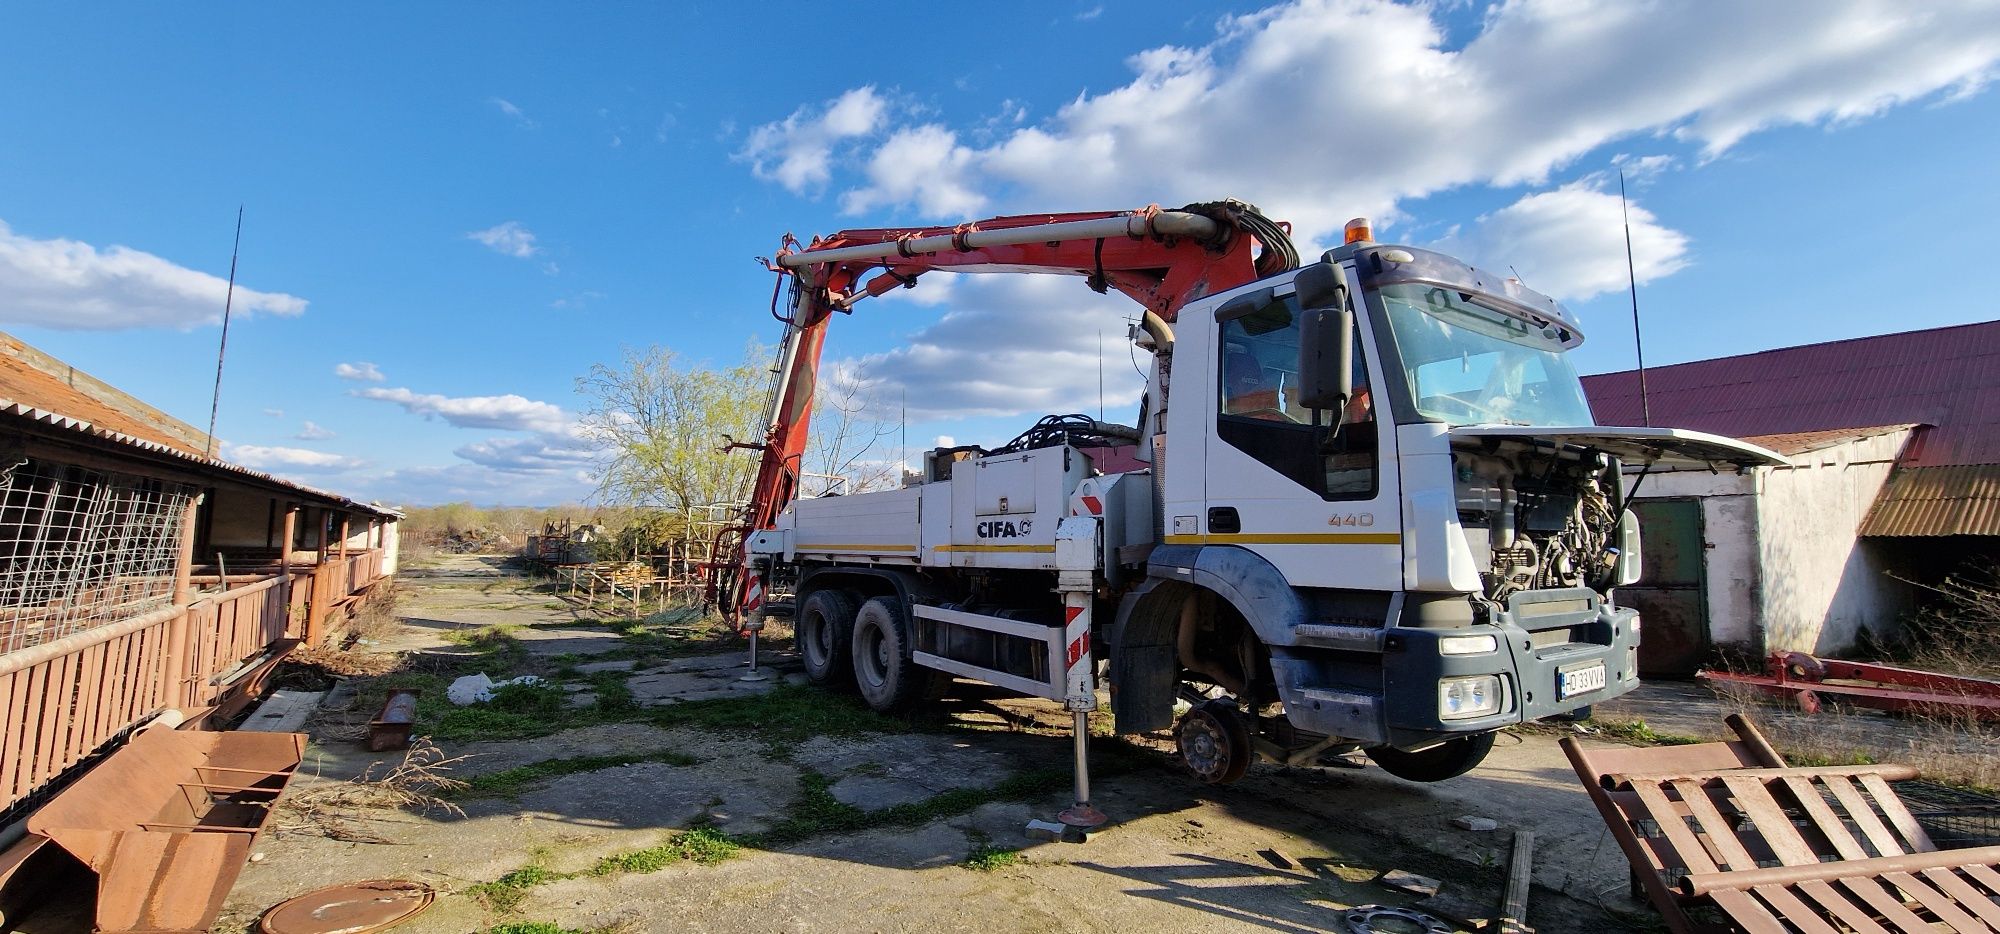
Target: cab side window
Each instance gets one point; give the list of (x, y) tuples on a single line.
[(1259, 411)]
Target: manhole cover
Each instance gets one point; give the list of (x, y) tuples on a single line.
[(350, 908)]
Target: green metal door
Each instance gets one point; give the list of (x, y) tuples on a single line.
[(1670, 595)]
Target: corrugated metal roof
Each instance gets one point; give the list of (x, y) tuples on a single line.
[(1799, 442), (1945, 379), (1959, 500), (28, 391)]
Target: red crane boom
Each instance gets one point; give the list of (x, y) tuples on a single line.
[(1161, 259)]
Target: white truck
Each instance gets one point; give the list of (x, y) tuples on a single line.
[(1364, 506)]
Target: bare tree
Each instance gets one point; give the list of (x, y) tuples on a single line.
[(661, 422), (848, 451)]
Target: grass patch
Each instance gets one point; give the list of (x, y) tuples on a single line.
[(513, 781), (786, 713), (818, 812), (1637, 731), (507, 892), (701, 845), (550, 927), (987, 857)]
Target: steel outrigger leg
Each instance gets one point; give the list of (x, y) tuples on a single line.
[(1081, 699)]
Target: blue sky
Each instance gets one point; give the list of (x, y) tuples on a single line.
[(482, 201)]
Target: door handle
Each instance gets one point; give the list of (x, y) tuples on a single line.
[(1224, 520)]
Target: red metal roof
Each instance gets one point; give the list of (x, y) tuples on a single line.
[(1946, 380)]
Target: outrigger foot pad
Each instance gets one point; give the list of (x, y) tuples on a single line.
[(1056, 833)]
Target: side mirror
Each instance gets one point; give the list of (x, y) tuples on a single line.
[(1326, 357)]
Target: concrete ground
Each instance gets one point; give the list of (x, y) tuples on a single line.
[(843, 821)]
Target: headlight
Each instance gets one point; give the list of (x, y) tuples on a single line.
[(1467, 645), (1465, 698)]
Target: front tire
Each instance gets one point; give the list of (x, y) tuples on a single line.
[(884, 673), (1452, 758), (824, 631)]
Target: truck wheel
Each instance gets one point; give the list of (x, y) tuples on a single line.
[(1451, 759), (824, 630), (1213, 743), (883, 672)]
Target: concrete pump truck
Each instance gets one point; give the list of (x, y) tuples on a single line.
[(1364, 506)]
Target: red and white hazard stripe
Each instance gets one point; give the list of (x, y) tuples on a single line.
[(1080, 676)]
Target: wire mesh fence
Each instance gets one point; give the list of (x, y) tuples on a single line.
[(81, 547)]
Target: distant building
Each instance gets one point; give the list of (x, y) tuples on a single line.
[(142, 578), (1895, 448)]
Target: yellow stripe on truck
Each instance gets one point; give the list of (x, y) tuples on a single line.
[(1300, 538), (855, 548), (1012, 549)]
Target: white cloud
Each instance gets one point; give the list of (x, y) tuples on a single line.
[(797, 152), (313, 431), (508, 412), (1320, 110), (924, 166), (467, 482), (1570, 242), (507, 107), (1643, 170), (363, 372), (70, 285), (566, 452), (509, 239), (1090, 14), (577, 301), (262, 457), (944, 441), (275, 413), (1011, 345)]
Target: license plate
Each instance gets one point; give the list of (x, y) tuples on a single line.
[(1579, 681)]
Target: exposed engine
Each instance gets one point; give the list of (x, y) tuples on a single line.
[(1536, 519)]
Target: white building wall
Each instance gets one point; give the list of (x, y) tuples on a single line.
[(1821, 586), (392, 546)]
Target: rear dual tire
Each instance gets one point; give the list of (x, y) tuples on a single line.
[(825, 634), (884, 674)]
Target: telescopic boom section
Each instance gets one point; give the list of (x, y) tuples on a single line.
[(1160, 259)]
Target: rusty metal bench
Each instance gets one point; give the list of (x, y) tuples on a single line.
[(1724, 837)]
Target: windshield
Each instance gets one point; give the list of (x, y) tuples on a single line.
[(1467, 364)]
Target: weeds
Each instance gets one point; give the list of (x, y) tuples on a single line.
[(786, 713), (701, 845), (507, 892), (418, 783), (550, 927), (988, 857), (1637, 731), (512, 781)]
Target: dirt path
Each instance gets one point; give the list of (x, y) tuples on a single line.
[(674, 797)]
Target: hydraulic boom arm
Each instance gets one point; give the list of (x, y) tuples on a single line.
[(1161, 259)]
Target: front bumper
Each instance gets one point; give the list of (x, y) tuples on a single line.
[(1393, 697)]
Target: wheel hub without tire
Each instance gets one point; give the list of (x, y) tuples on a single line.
[(1213, 743)]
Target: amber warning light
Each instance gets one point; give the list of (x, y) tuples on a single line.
[(1358, 232)]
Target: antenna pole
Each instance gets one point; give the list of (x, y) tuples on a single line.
[(228, 297), (1100, 374), (1632, 278)]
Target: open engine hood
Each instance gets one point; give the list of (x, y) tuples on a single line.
[(1663, 448)]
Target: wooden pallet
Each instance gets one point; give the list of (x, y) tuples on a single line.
[(1724, 837)]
